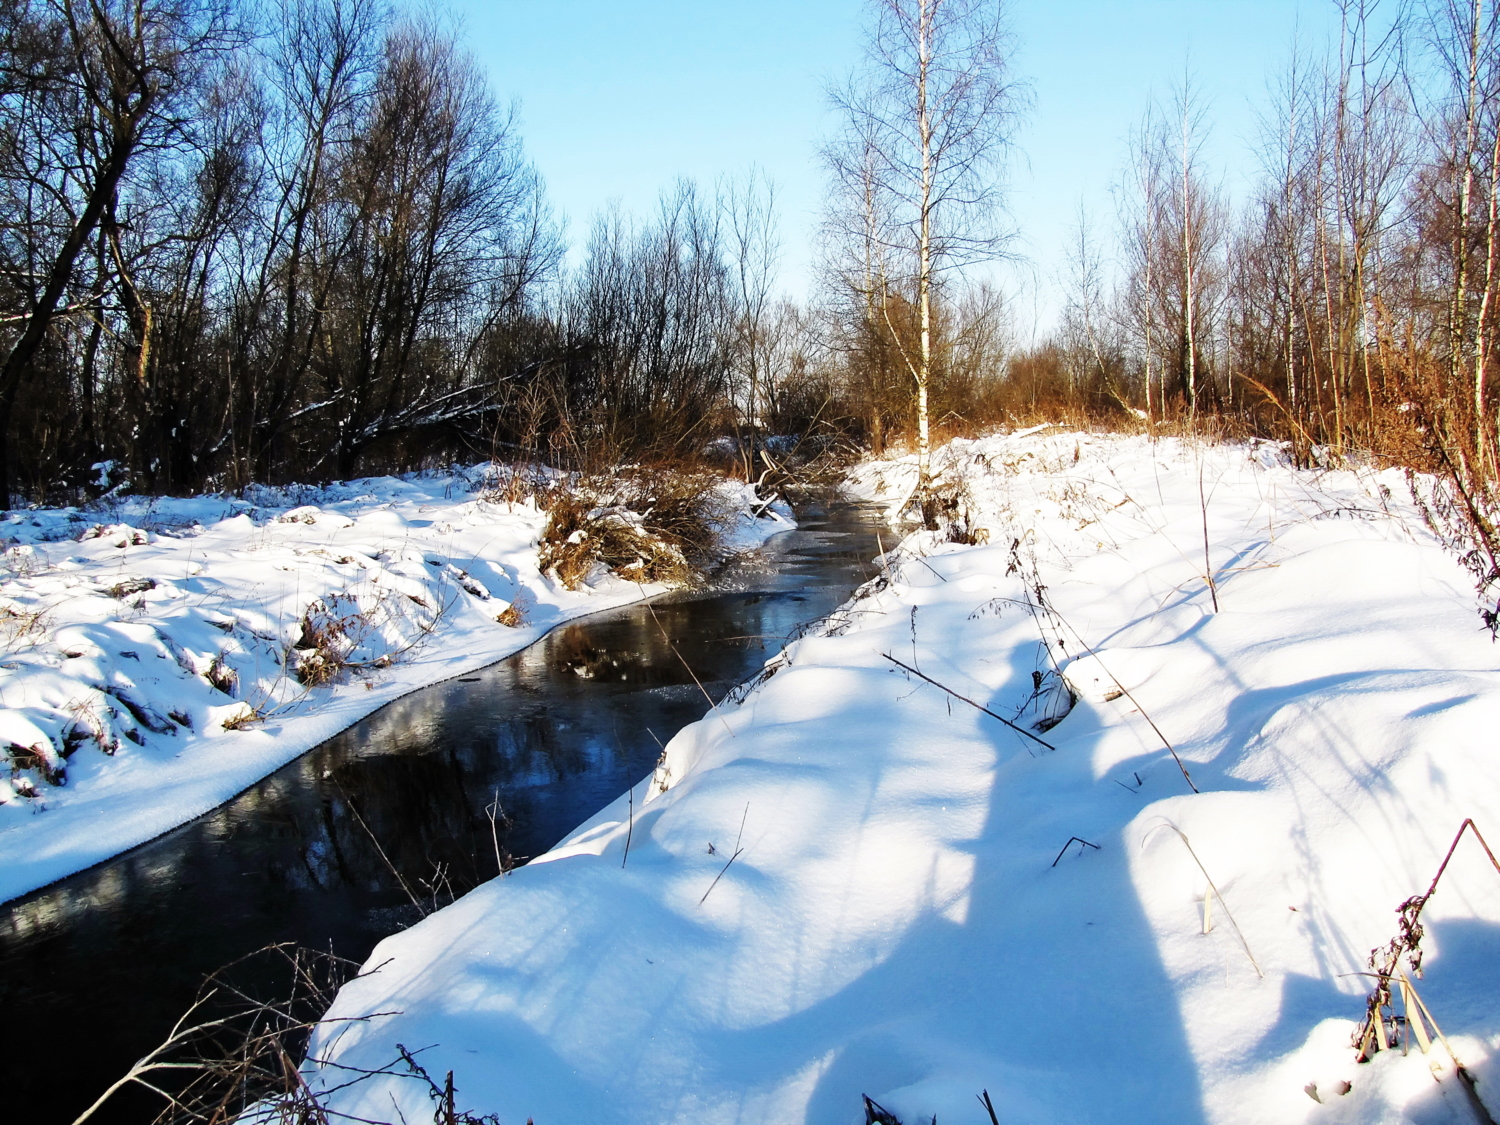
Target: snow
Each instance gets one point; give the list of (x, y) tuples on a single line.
[(150, 650), (922, 904)]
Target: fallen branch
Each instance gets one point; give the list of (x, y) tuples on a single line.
[(735, 856), (1123, 691), (970, 702)]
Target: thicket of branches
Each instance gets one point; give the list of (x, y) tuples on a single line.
[(303, 241), (1351, 305), (243, 242)]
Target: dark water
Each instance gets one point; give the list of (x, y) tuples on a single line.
[(94, 969)]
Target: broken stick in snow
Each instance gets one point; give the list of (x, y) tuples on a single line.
[(735, 856), (970, 702)]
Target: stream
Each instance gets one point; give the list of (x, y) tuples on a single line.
[(95, 968)]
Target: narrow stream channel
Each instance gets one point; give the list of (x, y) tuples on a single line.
[(93, 970)]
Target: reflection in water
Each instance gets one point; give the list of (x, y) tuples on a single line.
[(94, 969)]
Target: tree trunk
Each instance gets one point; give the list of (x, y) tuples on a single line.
[(924, 276), (23, 351)]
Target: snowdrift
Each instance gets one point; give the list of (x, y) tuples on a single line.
[(161, 655), (854, 881)]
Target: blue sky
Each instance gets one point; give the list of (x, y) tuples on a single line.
[(620, 97)]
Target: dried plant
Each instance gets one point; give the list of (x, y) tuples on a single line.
[(235, 1057), (232, 1052), (1385, 960), (221, 676), (660, 527), (517, 613)]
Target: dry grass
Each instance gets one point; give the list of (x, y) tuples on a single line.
[(242, 719), (22, 627), (321, 649), (24, 759), (518, 612), (648, 528), (221, 676)]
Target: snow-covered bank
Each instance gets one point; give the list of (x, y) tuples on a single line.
[(922, 904), (162, 656)]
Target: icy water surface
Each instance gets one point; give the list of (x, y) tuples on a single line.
[(93, 970)]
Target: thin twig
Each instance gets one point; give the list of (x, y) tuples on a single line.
[(1208, 570), (491, 810), (1126, 692), (915, 555), (970, 702), (712, 706), (355, 810), (1227, 913), (735, 856), (1071, 841), (630, 828)]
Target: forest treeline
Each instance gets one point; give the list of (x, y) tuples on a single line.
[(246, 242), (1350, 305)]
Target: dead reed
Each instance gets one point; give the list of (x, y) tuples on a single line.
[(646, 527), (236, 1057)]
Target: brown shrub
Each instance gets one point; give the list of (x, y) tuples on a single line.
[(657, 527), (518, 612), (320, 651)]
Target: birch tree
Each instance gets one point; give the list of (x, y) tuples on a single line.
[(927, 124)]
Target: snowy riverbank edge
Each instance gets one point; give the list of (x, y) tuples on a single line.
[(853, 883), (140, 633)]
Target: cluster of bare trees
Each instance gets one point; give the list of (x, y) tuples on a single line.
[(1351, 305), (660, 341), (243, 242), (231, 251)]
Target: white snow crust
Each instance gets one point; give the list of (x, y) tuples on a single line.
[(130, 635), (908, 914)]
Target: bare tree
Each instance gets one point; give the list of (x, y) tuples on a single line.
[(1174, 251), (1083, 323), (1142, 221), (115, 78), (927, 124), (748, 205), (647, 336)]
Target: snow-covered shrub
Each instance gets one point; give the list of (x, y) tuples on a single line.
[(329, 629), (657, 528)]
